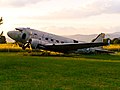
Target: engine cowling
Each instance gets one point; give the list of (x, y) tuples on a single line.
[(25, 36), (35, 43), (38, 44)]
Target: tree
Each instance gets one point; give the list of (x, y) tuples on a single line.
[(2, 38), (1, 21), (116, 41), (107, 40)]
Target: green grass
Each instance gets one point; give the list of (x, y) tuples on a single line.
[(84, 72)]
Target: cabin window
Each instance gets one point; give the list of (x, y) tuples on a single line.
[(46, 38), (35, 34), (52, 40), (62, 42), (57, 41)]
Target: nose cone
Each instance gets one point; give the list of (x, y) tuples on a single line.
[(9, 33), (13, 34)]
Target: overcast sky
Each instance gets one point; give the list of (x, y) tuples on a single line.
[(62, 17)]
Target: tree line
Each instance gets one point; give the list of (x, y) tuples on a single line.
[(112, 41)]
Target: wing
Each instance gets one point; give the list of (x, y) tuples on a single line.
[(103, 51), (70, 47)]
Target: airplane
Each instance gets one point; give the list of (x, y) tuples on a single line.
[(27, 37)]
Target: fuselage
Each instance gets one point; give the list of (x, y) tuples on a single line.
[(24, 34)]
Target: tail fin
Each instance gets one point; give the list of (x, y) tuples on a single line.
[(99, 38)]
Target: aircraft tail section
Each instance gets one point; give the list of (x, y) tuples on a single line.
[(99, 38)]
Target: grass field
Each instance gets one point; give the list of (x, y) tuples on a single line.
[(20, 71)]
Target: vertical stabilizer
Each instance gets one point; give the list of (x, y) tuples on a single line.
[(99, 38)]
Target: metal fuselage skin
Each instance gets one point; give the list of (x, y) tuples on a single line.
[(22, 35)]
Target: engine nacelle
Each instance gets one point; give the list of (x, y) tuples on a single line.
[(25, 36), (38, 44), (35, 43)]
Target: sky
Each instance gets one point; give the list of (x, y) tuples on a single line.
[(61, 17)]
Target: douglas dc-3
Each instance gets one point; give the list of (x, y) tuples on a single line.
[(36, 39)]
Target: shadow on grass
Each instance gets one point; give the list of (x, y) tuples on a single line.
[(87, 56), (102, 56)]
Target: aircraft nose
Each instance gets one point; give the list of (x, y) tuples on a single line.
[(12, 34)]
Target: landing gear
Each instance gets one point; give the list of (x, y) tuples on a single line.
[(23, 47), (27, 45)]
